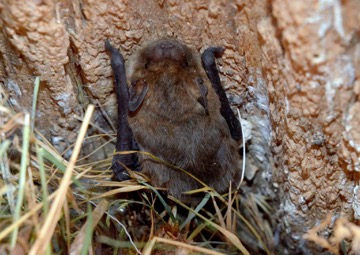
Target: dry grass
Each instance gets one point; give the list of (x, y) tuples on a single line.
[(344, 237), (51, 205)]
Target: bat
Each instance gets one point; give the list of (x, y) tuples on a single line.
[(176, 109)]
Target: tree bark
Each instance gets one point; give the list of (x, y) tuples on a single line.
[(291, 67)]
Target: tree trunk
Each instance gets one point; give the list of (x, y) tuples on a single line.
[(291, 67)]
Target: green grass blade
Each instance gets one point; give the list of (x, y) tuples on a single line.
[(197, 210), (61, 166), (4, 146), (22, 176), (53, 159), (88, 232), (44, 187), (166, 206), (230, 236)]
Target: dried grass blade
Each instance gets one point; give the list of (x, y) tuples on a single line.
[(48, 228), (79, 243), (228, 211), (23, 218), (149, 246), (147, 250), (243, 149), (35, 96), (230, 236), (119, 190), (218, 213), (8, 188)]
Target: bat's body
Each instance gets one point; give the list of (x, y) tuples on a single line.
[(172, 112)]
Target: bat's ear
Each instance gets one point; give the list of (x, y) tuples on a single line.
[(203, 94), (137, 93)]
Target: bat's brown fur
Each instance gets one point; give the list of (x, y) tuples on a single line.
[(172, 125)]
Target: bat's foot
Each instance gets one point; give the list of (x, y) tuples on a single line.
[(121, 163), (120, 176)]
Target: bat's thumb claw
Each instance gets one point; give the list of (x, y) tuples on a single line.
[(108, 46), (209, 55), (218, 51)]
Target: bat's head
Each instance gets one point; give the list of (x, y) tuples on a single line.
[(164, 56), (169, 74), (166, 50)]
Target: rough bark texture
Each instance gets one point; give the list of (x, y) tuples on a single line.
[(291, 67), (311, 61)]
